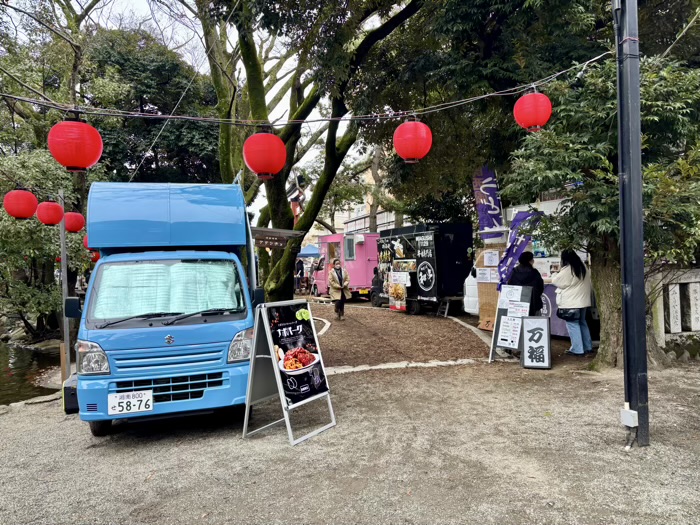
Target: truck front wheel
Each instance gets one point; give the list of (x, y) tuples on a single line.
[(100, 428), (376, 300)]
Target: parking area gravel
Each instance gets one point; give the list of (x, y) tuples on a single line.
[(482, 444)]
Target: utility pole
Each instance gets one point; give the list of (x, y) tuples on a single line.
[(64, 284), (636, 411)]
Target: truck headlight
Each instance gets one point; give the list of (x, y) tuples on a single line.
[(241, 346), (92, 360)]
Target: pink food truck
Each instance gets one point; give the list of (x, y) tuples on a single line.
[(357, 253)]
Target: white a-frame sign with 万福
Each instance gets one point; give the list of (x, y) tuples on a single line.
[(286, 363), (536, 343)]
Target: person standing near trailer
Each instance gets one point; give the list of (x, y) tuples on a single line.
[(339, 288), (298, 275), (525, 274)]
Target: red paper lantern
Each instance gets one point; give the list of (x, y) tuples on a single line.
[(58, 259), (265, 155), (49, 213), (412, 141), (74, 221), (20, 204), (85, 242), (75, 145), (532, 111), (95, 256)]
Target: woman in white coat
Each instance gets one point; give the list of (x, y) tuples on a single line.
[(573, 284)]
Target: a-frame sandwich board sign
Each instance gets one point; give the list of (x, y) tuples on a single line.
[(286, 363)]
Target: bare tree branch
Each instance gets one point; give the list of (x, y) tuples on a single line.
[(13, 77), (58, 33)]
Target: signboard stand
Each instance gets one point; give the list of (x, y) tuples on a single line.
[(513, 305), (536, 343), (280, 328)]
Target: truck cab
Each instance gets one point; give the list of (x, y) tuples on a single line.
[(167, 324)]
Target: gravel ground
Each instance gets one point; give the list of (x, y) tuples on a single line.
[(482, 444), (466, 444)]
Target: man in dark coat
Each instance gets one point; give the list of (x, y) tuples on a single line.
[(525, 274)]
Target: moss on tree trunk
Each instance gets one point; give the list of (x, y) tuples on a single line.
[(607, 284)]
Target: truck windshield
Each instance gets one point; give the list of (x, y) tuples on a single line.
[(138, 289)]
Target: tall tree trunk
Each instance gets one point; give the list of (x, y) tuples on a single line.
[(376, 177), (398, 219), (607, 284)]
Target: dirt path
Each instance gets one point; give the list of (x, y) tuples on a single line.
[(370, 336)]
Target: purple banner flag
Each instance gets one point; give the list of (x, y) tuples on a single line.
[(517, 243), (488, 203)]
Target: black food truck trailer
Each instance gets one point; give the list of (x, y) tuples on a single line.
[(422, 267)]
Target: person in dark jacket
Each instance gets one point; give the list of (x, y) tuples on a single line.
[(525, 274), (298, 274)]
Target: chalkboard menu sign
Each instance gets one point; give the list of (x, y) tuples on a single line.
[(286, 362)]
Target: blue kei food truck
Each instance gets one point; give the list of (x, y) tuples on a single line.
[(167, 324)]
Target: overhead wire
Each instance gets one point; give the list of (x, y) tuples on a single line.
[(388, 115), (172, 113)]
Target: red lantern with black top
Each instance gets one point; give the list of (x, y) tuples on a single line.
[(20, 204), (49, 213), (74, 221), (532, 111), (412, 141), (75, 145), (265, 155)]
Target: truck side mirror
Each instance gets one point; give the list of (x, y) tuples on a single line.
[(72, 308), (473, 272), (258, 297)]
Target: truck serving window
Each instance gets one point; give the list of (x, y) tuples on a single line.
[(174, 287), (350, 248)]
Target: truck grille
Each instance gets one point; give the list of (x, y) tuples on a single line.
[(179, 388), (155, 361)]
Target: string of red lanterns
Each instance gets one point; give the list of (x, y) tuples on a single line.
[(77, 146)]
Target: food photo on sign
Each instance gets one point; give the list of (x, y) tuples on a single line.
[(296, 351)]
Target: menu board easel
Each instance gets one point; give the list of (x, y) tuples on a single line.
[(286, 363), (513, 305)]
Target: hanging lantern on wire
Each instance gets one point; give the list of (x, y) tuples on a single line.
[(532, 111), (74, 221), (412, 141), (85, 242), (75, 144), (265, 155), (20, 204), (49, 213), (94, 256)]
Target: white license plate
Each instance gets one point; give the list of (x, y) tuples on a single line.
[(130, 402)]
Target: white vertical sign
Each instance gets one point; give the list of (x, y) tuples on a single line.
[(536, 349)]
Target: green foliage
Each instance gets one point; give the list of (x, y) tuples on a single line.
[(346, 191), (28, 249), (577, 156), (130, 70), (455, 50)]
